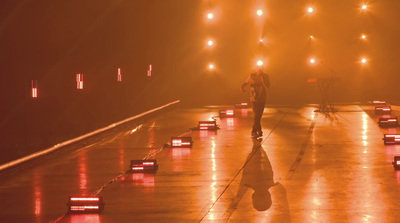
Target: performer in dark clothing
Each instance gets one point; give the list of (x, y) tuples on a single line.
[(258, 82)]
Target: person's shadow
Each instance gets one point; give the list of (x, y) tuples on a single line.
[(258, 176)]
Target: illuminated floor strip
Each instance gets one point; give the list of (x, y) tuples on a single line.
[(60, 145)]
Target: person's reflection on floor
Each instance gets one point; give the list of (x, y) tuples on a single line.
[(258, 175)]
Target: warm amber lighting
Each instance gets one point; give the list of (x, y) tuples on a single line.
[(363, 60), (364, 7), (259, 12), (363, 36), (312, 60), (311, 37), (259, 63), (210, 15), (210, 42), (211, 66), (310, 9)]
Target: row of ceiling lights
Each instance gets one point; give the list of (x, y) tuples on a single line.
[(310, 10)]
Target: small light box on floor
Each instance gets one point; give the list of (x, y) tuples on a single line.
[(140, 166), (83, 204), (379, 102), (242, 105), (388, 122), (396, 162), (207, 125), (181, 142), (226, 113), (391, 139), (383, 109)]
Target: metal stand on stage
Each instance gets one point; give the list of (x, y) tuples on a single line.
[(325, 86)]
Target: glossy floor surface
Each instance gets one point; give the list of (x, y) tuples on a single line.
[(308, 167)]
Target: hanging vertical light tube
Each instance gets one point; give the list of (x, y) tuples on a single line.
[(34, 88), (149, 71), (119, 77), (79, 81)]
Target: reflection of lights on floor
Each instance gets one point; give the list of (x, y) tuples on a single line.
[(230, 122), (214, 176), (82, 172), (316, 202), (398, 176), (365, 130), (178, 153), (203, 134), (213, 155), (141, 179), (244, 112), (78, 218), (37, 194)]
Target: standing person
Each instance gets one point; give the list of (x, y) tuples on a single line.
[(259, 83)]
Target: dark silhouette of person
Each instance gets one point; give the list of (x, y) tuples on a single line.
[(259, 83), (258, 176)]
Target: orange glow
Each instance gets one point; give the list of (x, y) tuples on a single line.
[(259, 12), (310, 9), (263, 40), (311, 37), (211, 66), (210, 42), (212, 15), (364, 60), (259, 63), (312, 60), (364, 7), (363, 36)]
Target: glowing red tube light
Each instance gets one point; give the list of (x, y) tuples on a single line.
[(387, 122), (85, 204), (226, 113), (242, 105), (207, 125), (383, 109), (391, 139), (185, 142), (138, 166), (379, 102), (84, 199)]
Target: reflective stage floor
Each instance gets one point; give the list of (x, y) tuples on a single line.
[(308, 167)]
